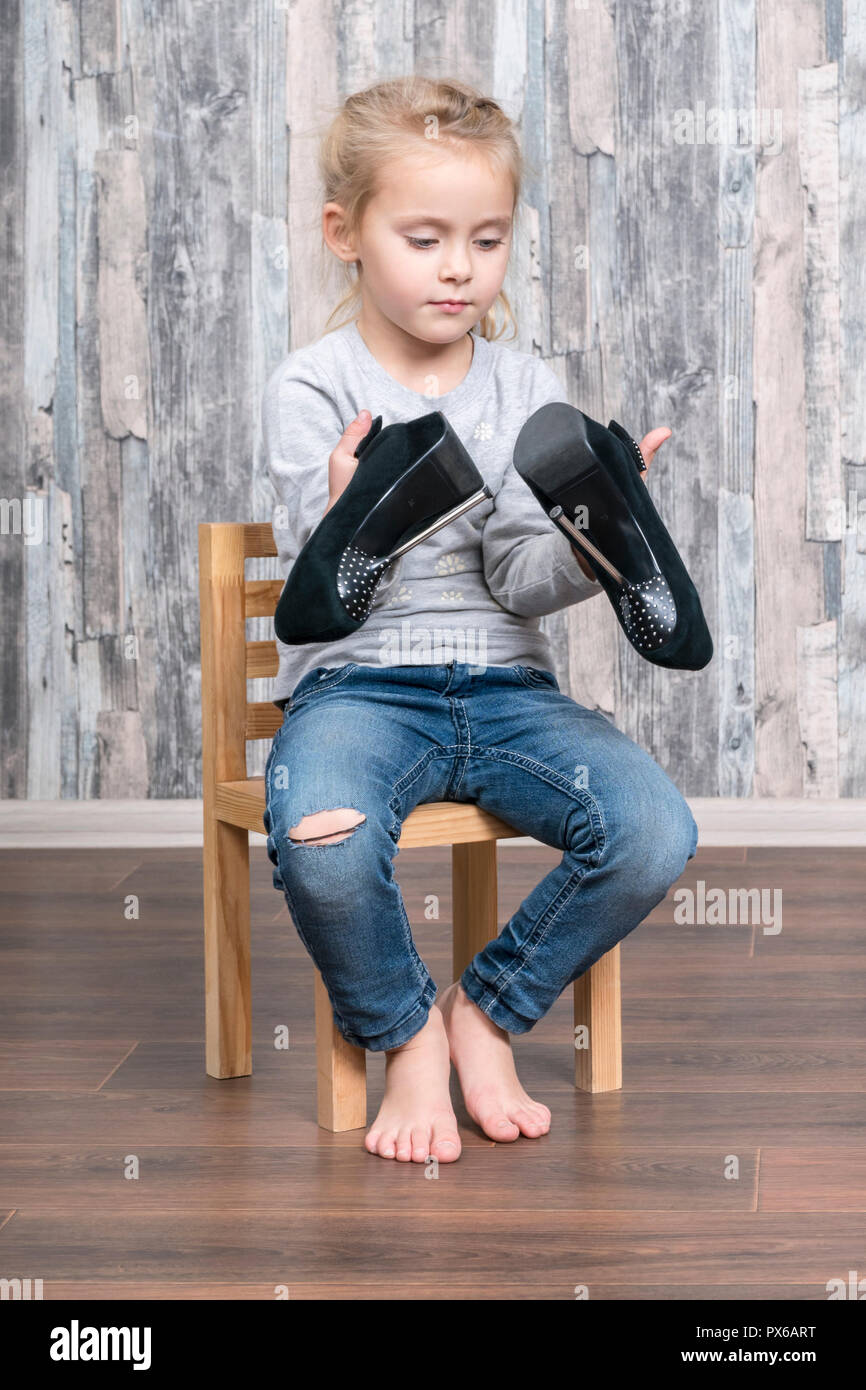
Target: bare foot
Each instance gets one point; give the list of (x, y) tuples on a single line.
[(416, 1119), (481, 1052)]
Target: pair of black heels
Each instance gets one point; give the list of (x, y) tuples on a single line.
[(587, 479)]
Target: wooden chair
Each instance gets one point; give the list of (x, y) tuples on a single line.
[(234, 804)]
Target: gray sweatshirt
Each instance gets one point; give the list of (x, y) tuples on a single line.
[(476, 589)]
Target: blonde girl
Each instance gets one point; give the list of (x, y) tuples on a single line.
[(447, 691)]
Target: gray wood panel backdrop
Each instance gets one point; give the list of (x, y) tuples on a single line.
[(691, 255)]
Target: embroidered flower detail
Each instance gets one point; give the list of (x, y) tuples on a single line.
[(400, 597), (482, 430), (452, 595), (450, 563)]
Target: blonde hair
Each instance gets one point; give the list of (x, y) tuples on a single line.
[(382, 122)]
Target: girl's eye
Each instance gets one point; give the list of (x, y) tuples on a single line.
[(424, 243)]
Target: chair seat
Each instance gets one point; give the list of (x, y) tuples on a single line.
[(431, 823)]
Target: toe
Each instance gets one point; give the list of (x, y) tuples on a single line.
[(386, 1145), (404, 1146), (527, 1121), (499, 1126), (420, 1144), (489, 1112), (446, 1141)]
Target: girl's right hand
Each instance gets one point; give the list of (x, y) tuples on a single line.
[(342, 463)]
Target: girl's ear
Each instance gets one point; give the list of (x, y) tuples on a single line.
[(374, 429)]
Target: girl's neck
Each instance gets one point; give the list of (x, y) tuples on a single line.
[(411, 360)]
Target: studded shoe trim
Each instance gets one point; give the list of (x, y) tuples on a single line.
[(358, 576), (649, 613), (625, 438), (640, 458), (358, 573)]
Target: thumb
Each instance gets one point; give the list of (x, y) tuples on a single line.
[(652, 442), (357, 428)]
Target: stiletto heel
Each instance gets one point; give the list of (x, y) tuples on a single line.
[(412, 479), (576, 467)]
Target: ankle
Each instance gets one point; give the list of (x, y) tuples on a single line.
[(433, 1024)]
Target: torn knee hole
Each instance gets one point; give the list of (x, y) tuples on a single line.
[(326, 827)]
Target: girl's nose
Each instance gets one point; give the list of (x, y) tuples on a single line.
[(457, 267), (454, 279)]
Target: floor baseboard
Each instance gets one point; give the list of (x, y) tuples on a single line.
[(68, 824)]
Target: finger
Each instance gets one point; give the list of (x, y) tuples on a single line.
[(354, 431), (653, 441)]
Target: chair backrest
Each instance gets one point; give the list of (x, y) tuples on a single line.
[(229, 720), (226, 599)]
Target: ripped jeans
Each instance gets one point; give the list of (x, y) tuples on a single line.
[(376, 741)]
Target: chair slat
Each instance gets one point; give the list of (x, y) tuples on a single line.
[(262, 660), (261, 597), (264, 719), (258, 540)]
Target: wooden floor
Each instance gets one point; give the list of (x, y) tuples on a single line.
[(742, 1050)]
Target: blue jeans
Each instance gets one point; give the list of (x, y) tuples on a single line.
[(381, 740)]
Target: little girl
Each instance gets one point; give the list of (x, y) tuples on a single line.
[(446, 692)]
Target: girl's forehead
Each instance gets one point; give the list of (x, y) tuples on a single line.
[(415, 182)]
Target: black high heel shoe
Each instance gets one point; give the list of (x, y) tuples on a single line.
[(412, 479), (578, 469)]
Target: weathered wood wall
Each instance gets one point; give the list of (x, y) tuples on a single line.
[(161, 255)]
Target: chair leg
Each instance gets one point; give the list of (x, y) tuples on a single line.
[(598, 1006), (228, 1010), (342, 1071), (474, 897)]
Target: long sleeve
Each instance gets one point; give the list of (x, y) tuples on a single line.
[(529, 565), (301, 425)]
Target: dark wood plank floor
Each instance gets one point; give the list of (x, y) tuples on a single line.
[(731, 1164)]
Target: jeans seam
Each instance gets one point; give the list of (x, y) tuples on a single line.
[(589, 803), (549, 774), (420, 766), (536, 939), (420, 968), (407, 780), (338, 1017), (468, 753)]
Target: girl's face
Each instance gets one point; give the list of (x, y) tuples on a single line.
[(438, 229)]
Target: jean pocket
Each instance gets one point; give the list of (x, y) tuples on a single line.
[(536, 678), (328, 678)]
